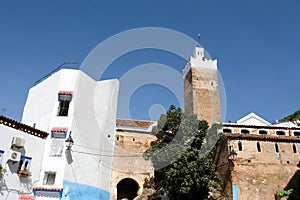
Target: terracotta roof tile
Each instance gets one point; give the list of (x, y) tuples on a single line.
[(65, 93), (134, 123), (59, 129), (47, 189), (26, 197), (22, 127)]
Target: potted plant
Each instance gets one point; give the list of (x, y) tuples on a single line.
[(24, 172)]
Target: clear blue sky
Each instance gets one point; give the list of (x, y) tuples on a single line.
[(256, 44)]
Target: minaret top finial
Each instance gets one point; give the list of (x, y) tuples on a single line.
[(199, 38)]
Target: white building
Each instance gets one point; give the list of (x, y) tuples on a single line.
[(68, 103), (20, 163)]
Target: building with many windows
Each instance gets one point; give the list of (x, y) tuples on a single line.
[(259, 159), (70, 145)]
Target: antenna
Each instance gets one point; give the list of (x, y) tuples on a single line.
[(55, 70)]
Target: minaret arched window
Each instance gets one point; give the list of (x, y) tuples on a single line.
[(240, 146), (295, 148), (258, 146), (276, 148)]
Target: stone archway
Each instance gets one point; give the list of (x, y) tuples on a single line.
[(127, 189)]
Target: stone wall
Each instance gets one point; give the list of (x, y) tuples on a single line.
[(202, 95), (128, 159), (260, 175), (263, 164)]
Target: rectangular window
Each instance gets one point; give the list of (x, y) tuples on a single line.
[(57, 147), (49, 178), (240, 146), (63, 108), (58, 136), (258, 147), (276, 148), (295, 150), (64, 99)]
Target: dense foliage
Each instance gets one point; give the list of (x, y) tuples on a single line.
[(182, 170), (292, 117)]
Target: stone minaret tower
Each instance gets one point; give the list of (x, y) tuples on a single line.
[(201, 93)]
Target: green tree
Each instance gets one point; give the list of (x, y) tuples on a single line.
[(292, 117), (182, 169)]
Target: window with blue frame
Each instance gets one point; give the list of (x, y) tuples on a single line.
[(1, 156), (24, 166)]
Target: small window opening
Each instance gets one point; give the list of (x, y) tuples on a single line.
[(133, 139), (63, 108), (240, 146), (49, 178), (280, 132), (263, 132), (245, 131), (296, 133), (64, 99), (276, 148), (258, 147), (227, 130), (117, 137), (295, 148), (288, 162)]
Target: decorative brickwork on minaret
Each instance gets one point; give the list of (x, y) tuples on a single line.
[(201, 92)]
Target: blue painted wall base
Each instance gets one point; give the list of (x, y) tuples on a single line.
[(77, 191)]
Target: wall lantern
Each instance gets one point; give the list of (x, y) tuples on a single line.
[(69, 142)]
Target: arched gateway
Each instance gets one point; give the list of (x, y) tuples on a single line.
[(127, 189)]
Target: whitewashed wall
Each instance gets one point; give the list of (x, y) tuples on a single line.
[(12, 184), (92, 117)]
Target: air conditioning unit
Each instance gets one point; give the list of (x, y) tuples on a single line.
[(14, 156), (18, 142)]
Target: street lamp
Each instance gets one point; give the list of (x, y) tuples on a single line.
[(69, 142)]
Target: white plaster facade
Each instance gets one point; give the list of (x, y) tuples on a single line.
[(91, 118), (11, 184)]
